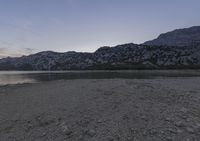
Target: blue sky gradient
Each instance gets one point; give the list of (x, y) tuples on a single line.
[(28, 26)]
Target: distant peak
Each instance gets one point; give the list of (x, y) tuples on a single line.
[(179, 37)]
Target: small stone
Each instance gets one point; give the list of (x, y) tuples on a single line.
[(153, 132), (81, 137), (135, 139), (30, 125), (144, 133), (188, 139), (169, 138), (184, 117), (172, 130), (132, 130), (168, 119), (179, 124), (190, 130), (59, 119), (91, 132), (99, 121), (44, 134), (65, 129), (162, 132), (129, 138), (179, 131), (143, 117), (197, 126), (118, 137), (125, 117), (189, 119), (183, 110), (110, 139)]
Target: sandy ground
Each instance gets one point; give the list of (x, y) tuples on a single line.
[(102, 110)]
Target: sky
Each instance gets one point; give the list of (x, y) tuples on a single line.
[(30, 26)]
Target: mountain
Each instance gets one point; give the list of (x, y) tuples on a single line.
[(179, 37), (179, 49), (127, 56)]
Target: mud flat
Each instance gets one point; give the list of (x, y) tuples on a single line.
[(102, 110)]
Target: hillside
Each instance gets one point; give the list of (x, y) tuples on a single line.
[(179, 37), (179, 49), (127, 56)]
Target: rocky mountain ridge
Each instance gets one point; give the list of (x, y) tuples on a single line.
[(172, 50), (128, 56), (179, 37)]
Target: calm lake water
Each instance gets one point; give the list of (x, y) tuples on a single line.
[(20, 77)]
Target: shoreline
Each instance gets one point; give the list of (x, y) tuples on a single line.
[(101, 109), (21, 77)]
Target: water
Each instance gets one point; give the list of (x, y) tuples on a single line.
[(20, 77)]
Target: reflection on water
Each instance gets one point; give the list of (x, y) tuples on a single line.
[(16, 77)]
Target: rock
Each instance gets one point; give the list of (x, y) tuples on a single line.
[(168, 119), (143, 117), (162, 132), (179, 131), (44, 120), (65, 129), (169, 138), (172, 130), (190, 139), (99, 121), (81, 137), (153, 132), (30, 125), (179, 37), (179, 124), (129, 138), (110, 139), (197, 125), (44, 134), (190, 130), (91, 132), (183, 110), (184, 117)]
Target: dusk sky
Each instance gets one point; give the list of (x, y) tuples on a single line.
[(29, 26)]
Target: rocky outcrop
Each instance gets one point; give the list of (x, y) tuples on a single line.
[(174, 50), (127, 56), (180, 37)]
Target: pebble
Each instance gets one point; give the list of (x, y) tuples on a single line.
[(190, 130), (162, 132), (172, 130), (65, 129), (197, 126), (99, 121), (143, 117), (168, 119), (169, 138), (81, 137), (44, 134), (183, 110), (91, 132), (179, 124), (153, 132), (179, 131), (30, 125), (110, 139), (129, 138)]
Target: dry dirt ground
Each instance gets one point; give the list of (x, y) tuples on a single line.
[(102, 110)]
